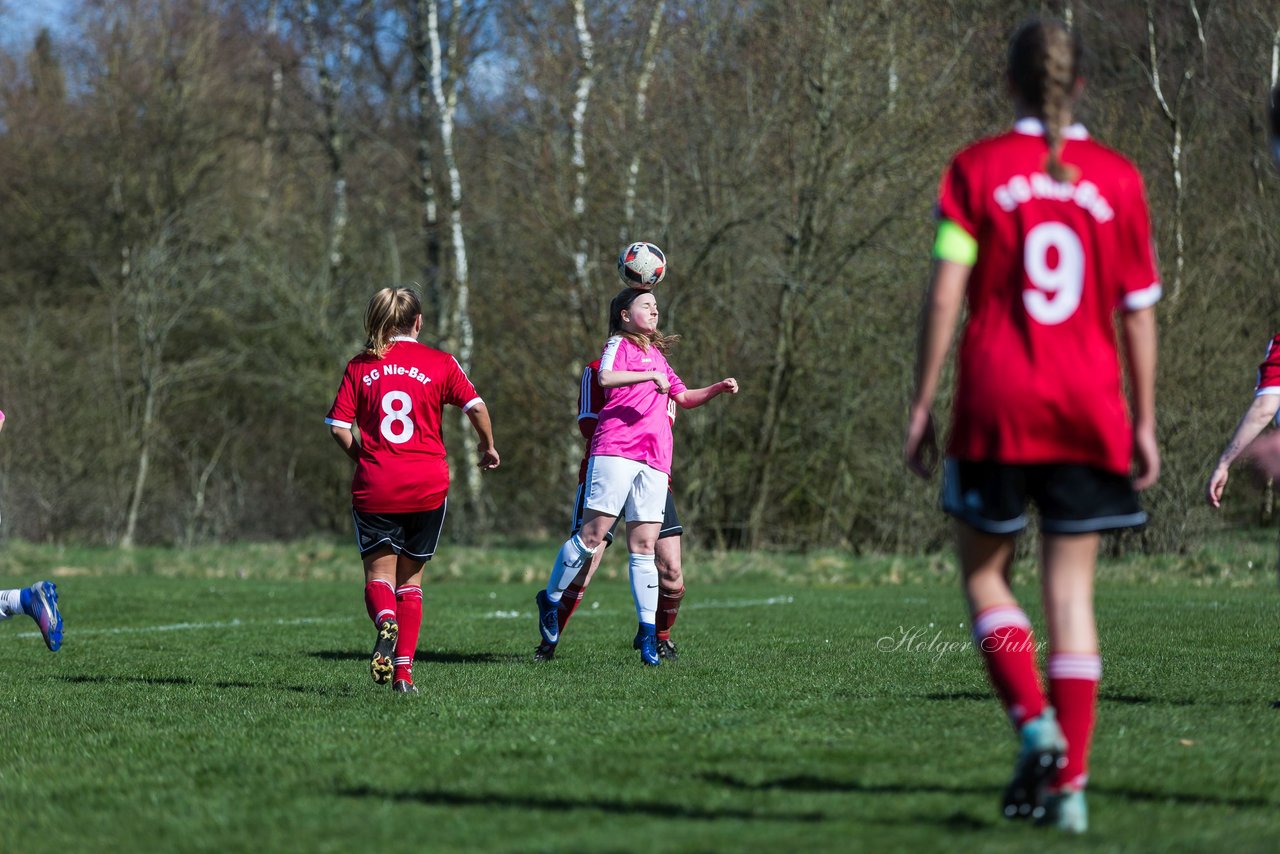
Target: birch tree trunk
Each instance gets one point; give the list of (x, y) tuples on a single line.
[(581, 299), (461, 336), (1173, 115), (332, 133), (428, 209), (648, 61)]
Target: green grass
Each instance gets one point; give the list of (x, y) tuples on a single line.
[(225, 713)]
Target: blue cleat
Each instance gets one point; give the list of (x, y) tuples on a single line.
[(647, 642), (40, 602), (1040, 756), (548, 619)]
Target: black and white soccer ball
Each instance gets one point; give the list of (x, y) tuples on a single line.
[(642, 265)]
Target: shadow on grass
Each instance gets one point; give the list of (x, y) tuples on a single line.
[(658, 809), (1105, 697), (211, 683), (805, 783), (429, 656)]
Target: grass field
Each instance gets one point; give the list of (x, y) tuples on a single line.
[(227, 713)]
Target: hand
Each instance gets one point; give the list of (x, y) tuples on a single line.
[(1146, 458), (920, 450), (661, 381), (489, 459), (1217, 484), (729, 385)]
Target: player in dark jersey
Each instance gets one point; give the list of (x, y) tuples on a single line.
[(1045, 233), (1266, 396), (394, 394)]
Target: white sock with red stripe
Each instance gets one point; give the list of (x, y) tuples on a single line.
[(1003, 637), (1073, 689)]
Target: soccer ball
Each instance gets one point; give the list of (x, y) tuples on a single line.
[(642, 265)]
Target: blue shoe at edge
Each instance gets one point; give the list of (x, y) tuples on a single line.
[(548, 619), (40, 602), (647, 642)]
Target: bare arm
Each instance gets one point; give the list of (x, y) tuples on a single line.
[(938, 318), (1139, 329), (479, 415), (346, 440), (1255, 419), (617, 379), (693, 397)]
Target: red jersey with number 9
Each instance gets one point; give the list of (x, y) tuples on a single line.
[(397, 403), (1039, 377)]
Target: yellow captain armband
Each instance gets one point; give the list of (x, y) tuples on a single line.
[(953, 243)]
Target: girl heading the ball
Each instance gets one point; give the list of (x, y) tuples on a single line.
[(629, 462), (1046, 234), (394, 393)]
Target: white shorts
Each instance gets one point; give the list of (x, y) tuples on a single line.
[(618, 486)]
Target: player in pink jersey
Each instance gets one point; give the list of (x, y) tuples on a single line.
[(394, 393), (1045, 233), (630, 461), (667, 552), (39, 602)]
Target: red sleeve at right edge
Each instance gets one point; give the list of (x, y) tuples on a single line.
[(1269, 370)]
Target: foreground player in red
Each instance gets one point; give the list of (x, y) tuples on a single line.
[(1046, 234), (394, 393), (667, 552)]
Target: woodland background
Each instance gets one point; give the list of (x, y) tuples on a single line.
[(199, 196)]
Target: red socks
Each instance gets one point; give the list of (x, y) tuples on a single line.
[(570, 599), (380, 600), (1003, 636), (409, 616), (668, 608), (1073, 688)]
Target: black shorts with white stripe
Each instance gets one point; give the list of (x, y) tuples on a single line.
[(413, 535), (1071, 498)]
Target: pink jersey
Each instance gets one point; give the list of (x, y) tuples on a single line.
[(591, 400), (1039, 372), (1269, 370), (397, 402), (634, 421)]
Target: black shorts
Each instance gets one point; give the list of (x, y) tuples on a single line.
[(671, 526), (414, 535), (1072, 499)]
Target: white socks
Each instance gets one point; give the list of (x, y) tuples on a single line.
[(572, 558), (644, 586), (11, 603)]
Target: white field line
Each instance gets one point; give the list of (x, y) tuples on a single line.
[(695, 606), (185, 627), (306, 621)]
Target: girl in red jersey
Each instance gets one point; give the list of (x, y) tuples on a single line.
[(1045, 233), (394, 392), (1266, 400)]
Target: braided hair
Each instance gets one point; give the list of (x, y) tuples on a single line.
[(1045, 58)]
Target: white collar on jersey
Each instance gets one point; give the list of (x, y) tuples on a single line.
[(1032, 126), (403, 338)]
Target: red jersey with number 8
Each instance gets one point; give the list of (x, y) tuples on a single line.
[(1039, 377), (397, 403)]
